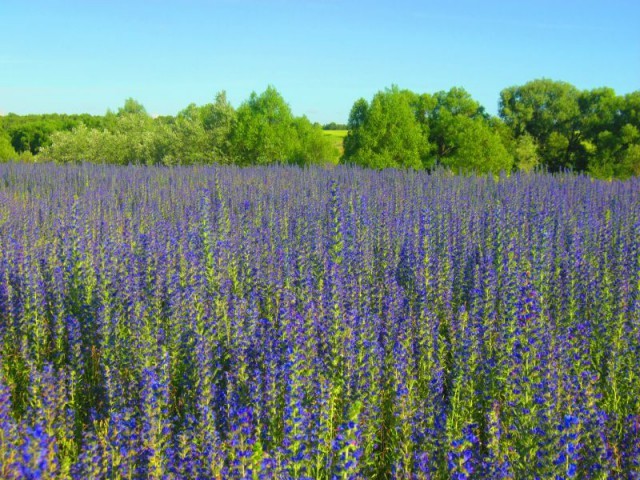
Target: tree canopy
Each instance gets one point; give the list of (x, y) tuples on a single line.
[(387, 132), (265, 132), (7, 151), (591, 130), (401, 128)]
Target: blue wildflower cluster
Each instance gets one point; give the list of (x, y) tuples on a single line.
[(276, 323)]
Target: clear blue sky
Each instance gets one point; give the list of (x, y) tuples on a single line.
[(90, 55)]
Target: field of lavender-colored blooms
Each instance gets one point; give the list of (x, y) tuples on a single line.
[(279, 322)]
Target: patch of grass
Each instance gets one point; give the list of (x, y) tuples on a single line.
[(338, 137), (336, 133)]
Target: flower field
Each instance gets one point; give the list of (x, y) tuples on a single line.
[(306, 323)]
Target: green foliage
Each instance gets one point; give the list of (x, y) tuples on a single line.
[(611, 133), (387, 133), (458, 102), (6, 150), (335, 126), (132, 107), (266, 132), (30, 133), (548, 111), (183, 141), (464, 137), (262, 131), (404, 129), (543, 124), (80, 144), (526, 153), (591, 130), (218, 119), (475, 147), (540, 107), (314, 147), (133, 137), (616, 156), (133, 140)]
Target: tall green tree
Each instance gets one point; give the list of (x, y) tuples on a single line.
[(190, 144), (132, 107), (7, 151), (548, 111), (464, 136), (525, 153), (353, 142), (265, 132), (387, 132), (218, 119)]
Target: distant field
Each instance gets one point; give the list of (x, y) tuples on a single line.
[(336, 133), (337, 136)]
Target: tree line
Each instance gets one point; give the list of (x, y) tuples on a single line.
[(262, 130), (544, 124)]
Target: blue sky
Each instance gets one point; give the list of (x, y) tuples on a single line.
[(90, 55)]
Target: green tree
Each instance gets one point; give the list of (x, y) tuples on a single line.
[(469, 144), (549, 111), (609, 129), (353, 142), (81, 144), (616, 155), (526, 155), (189, 141), (335, 126), (465, 138), (218, 119), (458, 102), (130, 137), (7, 151), (265, 132), (387, 133), (593, 130), (630, 109), (137, 128), (132, 107), (29, 133), (30, 137), (313, 147)]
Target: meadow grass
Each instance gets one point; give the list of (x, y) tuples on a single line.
[(338, 137)]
